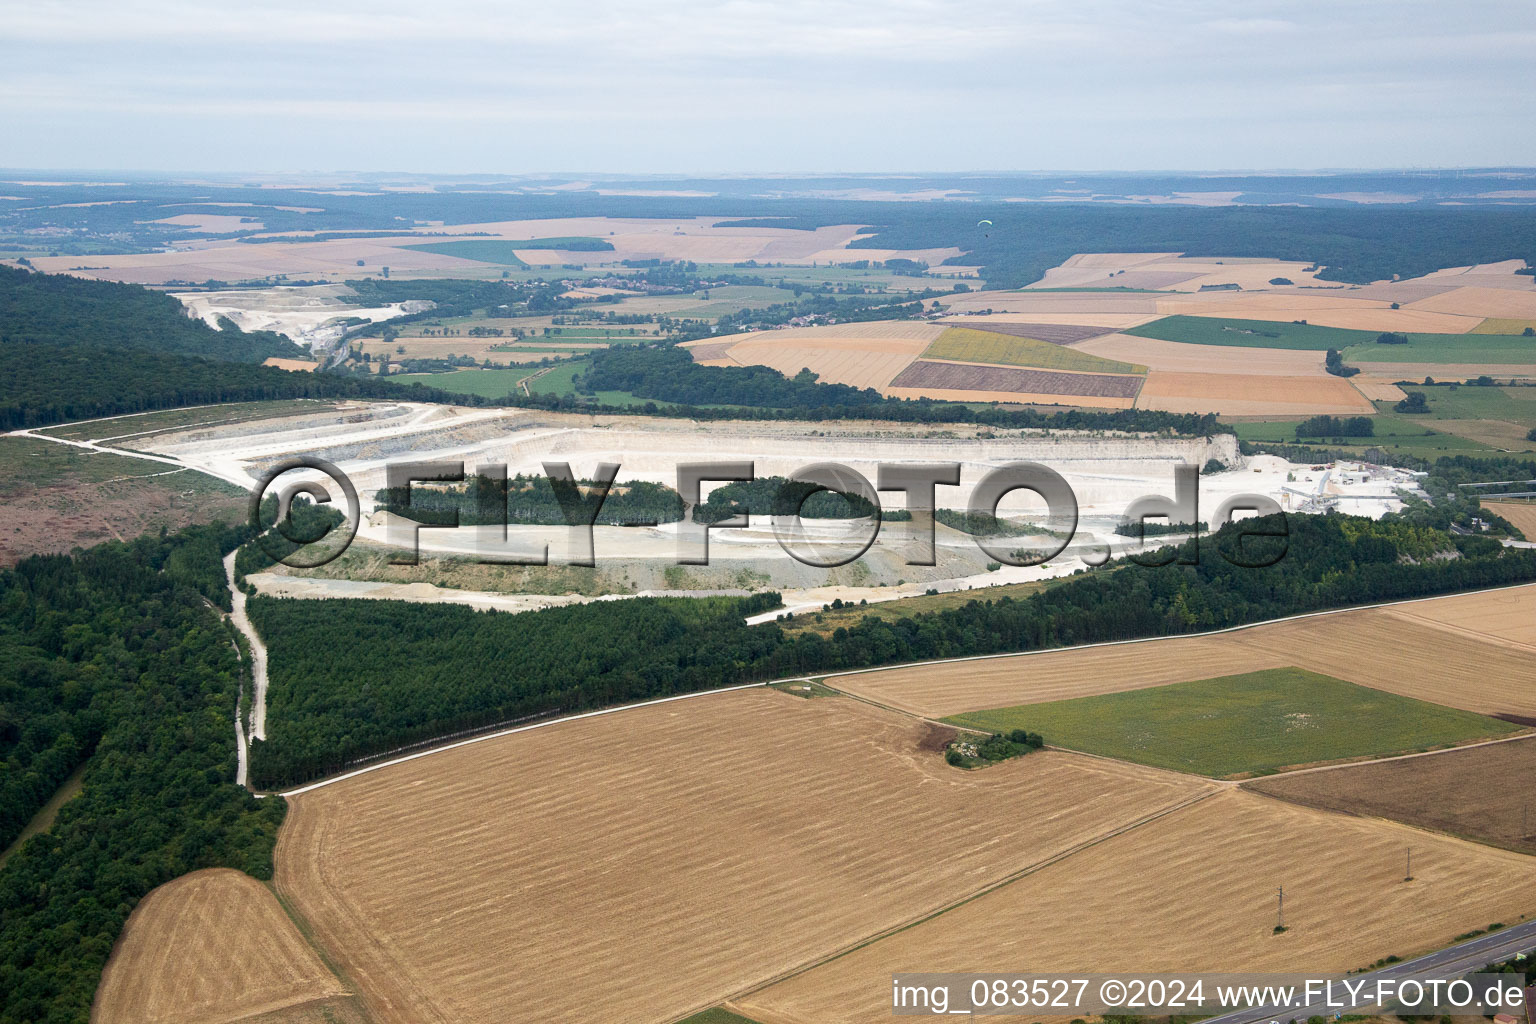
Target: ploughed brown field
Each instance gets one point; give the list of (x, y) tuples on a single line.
[(644, 865), (927, 373), (1193, 890), (1478, 792), (1419, 649), (212, 947)]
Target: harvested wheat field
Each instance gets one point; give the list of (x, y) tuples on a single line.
[(936, 691), (1498, 616), (1037, 305), (1446, 371), (1108, 321), (1243, 304), (1056, 334), (644, 865), (209, 947), (857, 364), (1231, 394), (1505, 303), (1171, 271), (860, 355), (967, 345), (894, 333), (1377, 647), (1182, 357), (1380, 647), (1193, 890), (1459, 792), (1521, 513), (1378, 389)]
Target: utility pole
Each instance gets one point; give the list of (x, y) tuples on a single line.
[(1408, 875), (1280, 910)]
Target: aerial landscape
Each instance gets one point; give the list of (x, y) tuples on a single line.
[(873, 540)]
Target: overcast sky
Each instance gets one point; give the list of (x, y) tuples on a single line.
[(765, 85)]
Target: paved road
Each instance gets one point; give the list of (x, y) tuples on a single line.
[(1454, 961)]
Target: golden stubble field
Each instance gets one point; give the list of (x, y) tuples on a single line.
[(1194, 890), (1521, 513), (1232, 394), (644, 865), (1479, 647), (210, 947)]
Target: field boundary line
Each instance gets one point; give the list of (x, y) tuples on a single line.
[(991, 887), (309, 787), (1170, 636), (1527, 735)]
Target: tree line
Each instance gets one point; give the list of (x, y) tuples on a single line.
[(529, 500), (113, 661), (669, 374), (353, 678)]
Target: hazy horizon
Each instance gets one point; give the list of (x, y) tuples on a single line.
[(748, 87)]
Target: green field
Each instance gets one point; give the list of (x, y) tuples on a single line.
[(1250, 724), (717, 1015), (1205, 330), (558, 381), (973, 346), (1357, 346), (497, 383), (1502, 349), (1408, 435), (503, 251)]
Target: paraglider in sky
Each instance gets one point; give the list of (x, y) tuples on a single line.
[(985, 223)]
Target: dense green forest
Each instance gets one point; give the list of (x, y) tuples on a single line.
[(528, 500), (778, 496), (358, 678), (113, 659), (431, 674), (43, 384), (58, 309), (75, 349)]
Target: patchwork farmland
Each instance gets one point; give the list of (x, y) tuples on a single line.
[(1108, 908), (965, 345), (1241, 725), (1384, 648), (733, 837)]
